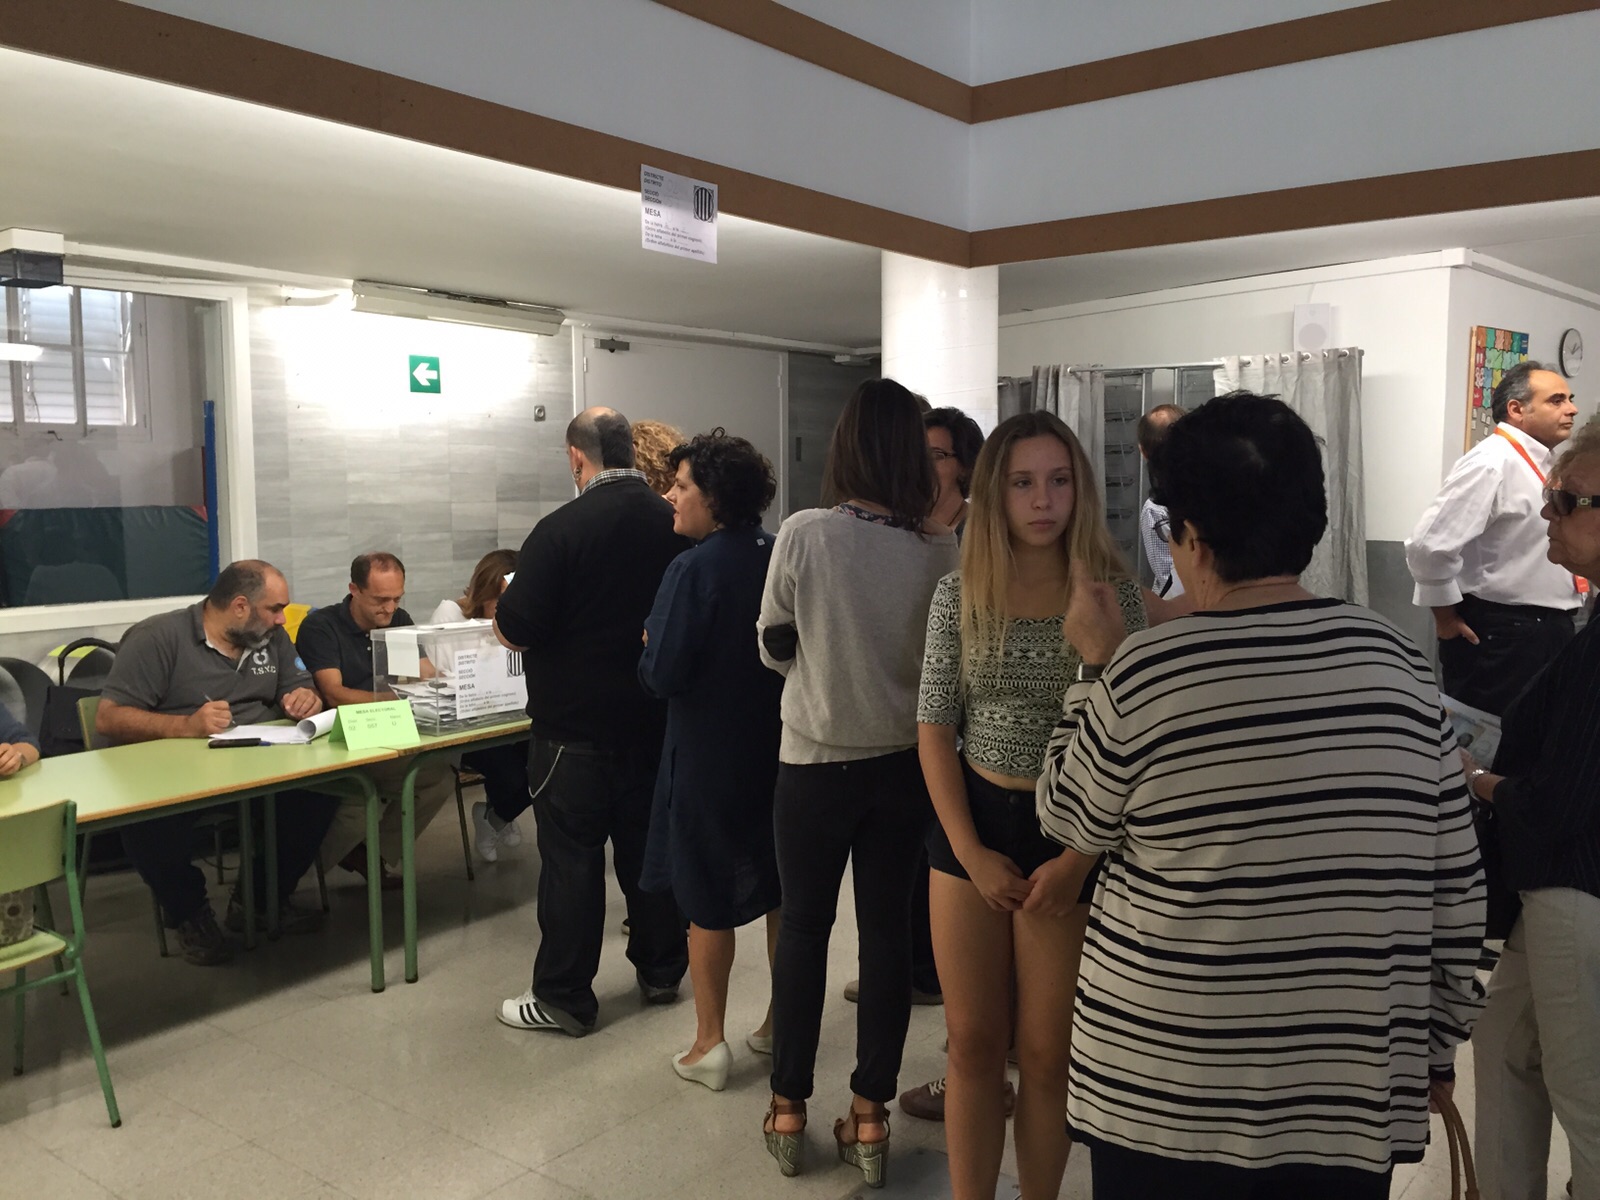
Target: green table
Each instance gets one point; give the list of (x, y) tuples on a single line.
[(435, 746), (121, 785)]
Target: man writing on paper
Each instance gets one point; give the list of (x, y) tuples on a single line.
[(336, 646), (190, 674), (585, 582), (1502, 610)]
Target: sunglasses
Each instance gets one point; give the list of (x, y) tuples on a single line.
[(1564, 504)]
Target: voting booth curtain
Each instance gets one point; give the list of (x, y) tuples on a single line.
[(1324, 388)]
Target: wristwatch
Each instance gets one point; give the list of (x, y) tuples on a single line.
[(1089, 672), (1472, 781)]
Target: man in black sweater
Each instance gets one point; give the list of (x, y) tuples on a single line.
[(585, 581)]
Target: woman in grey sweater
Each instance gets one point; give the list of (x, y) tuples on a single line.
[(843, 619)]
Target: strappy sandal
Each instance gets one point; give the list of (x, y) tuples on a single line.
[(871, 1157), (785, 1147)]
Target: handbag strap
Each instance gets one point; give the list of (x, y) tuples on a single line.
[(1462, 1171)]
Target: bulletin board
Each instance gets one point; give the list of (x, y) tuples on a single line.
[(1494, 352)]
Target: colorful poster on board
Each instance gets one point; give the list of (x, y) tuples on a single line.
[(1494, 352)]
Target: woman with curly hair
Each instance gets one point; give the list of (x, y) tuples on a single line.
[(710, 839), (653, 444)]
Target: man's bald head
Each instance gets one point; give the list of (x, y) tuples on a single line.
[(604, 437)]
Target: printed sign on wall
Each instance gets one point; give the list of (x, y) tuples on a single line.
[(678, 214)]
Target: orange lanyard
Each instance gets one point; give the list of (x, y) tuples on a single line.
[(1578, 581)]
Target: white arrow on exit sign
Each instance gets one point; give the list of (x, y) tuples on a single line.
[(425, 374)]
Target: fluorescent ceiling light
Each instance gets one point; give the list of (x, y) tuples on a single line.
[(390, 300), (18, 352)]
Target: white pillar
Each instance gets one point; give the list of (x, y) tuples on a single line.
[(941, 333)]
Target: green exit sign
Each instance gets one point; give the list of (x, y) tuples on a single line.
[(424, 373)]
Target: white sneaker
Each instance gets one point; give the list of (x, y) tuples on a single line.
[(510, 835), (525, 1012), (487, 839)]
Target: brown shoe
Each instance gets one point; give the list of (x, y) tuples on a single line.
[(852, 993), (927, 1102)]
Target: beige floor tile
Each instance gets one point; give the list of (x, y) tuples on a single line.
[(246, 1090), (439, 1166), (339, 1141), (157, 1134), (241, 1171), (29, 1170), (534, 1186)]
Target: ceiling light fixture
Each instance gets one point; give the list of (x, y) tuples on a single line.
[(392, 300), (19, 352)]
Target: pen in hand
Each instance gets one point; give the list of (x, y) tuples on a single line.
[(231, 722)]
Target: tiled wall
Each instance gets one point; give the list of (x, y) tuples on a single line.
[(348, 460)]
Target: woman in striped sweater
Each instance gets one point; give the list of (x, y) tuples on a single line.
[(1280, 954)]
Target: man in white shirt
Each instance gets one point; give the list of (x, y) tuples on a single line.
[(1165, 583), (1502, 610)]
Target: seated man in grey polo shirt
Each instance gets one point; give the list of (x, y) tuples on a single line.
[(335, 643), (192, 673)]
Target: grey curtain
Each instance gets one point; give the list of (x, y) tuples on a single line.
[(1078, 396), (1324, 388), (1015, 396)]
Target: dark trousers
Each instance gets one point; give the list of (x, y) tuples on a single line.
[(162, 852), (505, 777), (1515, 643), (1121, 1174), (874, 813), (583, 797), (924, 974)]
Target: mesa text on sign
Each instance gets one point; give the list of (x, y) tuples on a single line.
[(425, 375), (678, 215)]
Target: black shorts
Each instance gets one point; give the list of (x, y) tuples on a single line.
[(1007, 822)]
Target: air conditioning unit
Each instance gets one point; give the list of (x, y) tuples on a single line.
[(394, 300), (31, 258)]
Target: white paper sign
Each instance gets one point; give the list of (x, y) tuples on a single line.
[(488, 679), (679, 214), (405, 656)]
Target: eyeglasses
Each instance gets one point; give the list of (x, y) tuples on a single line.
[(941, 455), (1564, 504), (1163, 529)]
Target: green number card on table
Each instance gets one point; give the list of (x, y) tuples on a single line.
[(381, 725)]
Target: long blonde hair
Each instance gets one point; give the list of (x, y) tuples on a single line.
[(986, 555)]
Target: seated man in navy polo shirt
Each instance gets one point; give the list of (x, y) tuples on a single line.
[(335, 643), (192, 673)]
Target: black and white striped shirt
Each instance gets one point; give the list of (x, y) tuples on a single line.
[(1284, 938)]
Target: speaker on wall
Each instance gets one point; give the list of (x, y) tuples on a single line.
[(1313, 327)]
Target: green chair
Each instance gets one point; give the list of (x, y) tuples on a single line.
[(36, 847)]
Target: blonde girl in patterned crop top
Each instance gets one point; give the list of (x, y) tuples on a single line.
[(1004, 904)]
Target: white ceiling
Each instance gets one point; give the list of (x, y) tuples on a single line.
[(111, 160)]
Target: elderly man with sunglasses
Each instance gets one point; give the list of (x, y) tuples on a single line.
[(1536, 1048), (1501, 609)]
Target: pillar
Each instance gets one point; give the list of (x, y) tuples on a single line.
[(941, 333)]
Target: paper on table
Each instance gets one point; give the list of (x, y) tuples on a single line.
[(302, 734), (405, 658)]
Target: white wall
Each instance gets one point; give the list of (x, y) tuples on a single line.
[(1401, 108), (1395, 311), (1480, 298), (935, 33), (1022, 37)]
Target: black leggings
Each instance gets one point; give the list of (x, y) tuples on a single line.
[(874, 813)]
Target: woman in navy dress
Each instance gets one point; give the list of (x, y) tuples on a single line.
[(711, 826)]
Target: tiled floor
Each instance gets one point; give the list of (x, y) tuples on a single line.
[(283, 1077)]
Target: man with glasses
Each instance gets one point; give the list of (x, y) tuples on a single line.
[(335, 643), (1501, 609)]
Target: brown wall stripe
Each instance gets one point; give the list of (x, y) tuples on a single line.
[(1369, 27), (1345, 31), (822, 45), (1414, 194), (138, 41)]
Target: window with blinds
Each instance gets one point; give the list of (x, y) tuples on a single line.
[(82, 377)]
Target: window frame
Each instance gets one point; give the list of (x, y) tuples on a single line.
[(236, 488)]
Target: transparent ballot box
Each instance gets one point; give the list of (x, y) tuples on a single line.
[(456, 676)]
